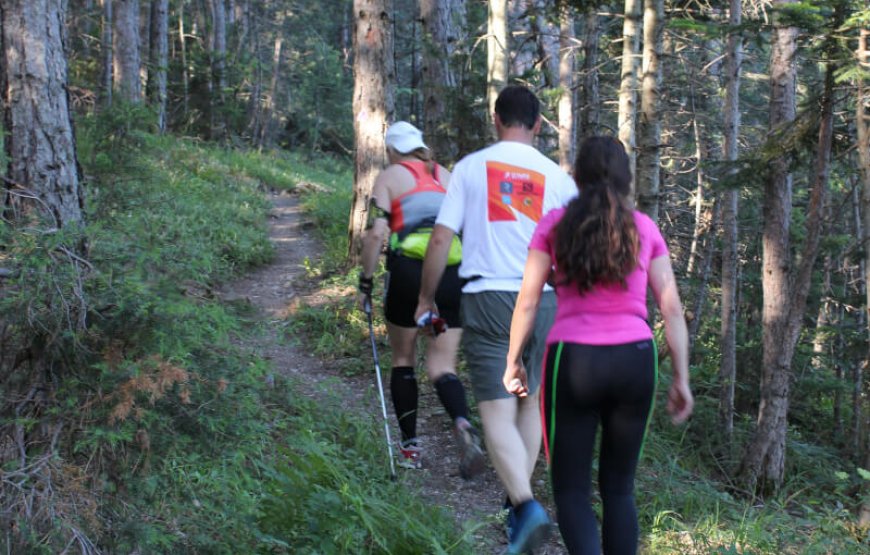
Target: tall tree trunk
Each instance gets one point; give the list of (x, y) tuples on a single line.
[(185, 72), (272, 99), (241, 27), (218, 52), (838, 377), (863, 148), (443, 24), (700, 298), (372, 106), (649, 127), (39, 138), (106, 53), (824, 319), (590, 98), (702, 224), (126, 60), (497, 50), (704, 148), (546, 42), (255, 100), (730, 198), (566, 87), (87, 29), (785, 292), (631, 61), (159, 51)]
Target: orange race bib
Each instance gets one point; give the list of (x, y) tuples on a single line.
[(512, 189)]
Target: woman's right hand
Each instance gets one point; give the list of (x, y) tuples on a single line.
[(515, 380)]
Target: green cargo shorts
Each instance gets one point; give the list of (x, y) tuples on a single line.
[(486, 326)]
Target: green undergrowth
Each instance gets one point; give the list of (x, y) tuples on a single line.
[(167, 433), (333, 493)]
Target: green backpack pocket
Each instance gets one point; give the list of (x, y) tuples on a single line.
[(414, 245)]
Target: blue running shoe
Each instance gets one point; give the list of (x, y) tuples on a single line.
[(532, 528), (510, 520)]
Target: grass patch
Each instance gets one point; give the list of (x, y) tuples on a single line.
[(332, 493)]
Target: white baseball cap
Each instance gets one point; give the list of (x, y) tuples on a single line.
[(404, 137)]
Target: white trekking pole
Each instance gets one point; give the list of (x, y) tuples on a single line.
[(367, 307)]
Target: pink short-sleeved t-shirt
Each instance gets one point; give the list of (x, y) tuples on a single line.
[(607, 314)]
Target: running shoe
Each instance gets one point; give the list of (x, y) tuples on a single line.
[(532, 528), (471, 461), (510, 520), (410, 455)]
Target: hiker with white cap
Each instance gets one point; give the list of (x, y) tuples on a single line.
[(406, 198)]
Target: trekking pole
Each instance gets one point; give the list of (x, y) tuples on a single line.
[(367, 307)]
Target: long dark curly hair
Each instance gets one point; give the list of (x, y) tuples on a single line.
[(596, 239)]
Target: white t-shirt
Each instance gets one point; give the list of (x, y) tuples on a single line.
[(495, 199)]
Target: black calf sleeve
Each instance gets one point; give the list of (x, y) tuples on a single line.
[(452, 396), (403, 388)]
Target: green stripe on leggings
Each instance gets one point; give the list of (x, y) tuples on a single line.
[(652, 404), (553, 381)]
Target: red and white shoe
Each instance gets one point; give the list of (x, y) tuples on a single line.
[(410, 455)]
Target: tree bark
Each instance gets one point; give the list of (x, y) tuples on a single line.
[(271, 100), (631, 61), (159, 52), (255, 100), (590, 98), (649, 126), (126, 61), (39, 137), (443, 25), (106, 53), (785, 292), (218, 52), (372, 107), (185, 75), (700, 102), (497, 50), (547, 42), (730, 208), (566, 87), (700, 298), (863, 148)]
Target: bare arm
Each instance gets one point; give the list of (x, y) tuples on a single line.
[(372, 244), (375, 235), (433, 267), (535, 275), (664, 286)]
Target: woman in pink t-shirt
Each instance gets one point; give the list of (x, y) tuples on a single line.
[(601, 364)]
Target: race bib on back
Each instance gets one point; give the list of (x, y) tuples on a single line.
[(512, 190)]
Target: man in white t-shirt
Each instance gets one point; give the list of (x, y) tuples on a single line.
[(496, 197)]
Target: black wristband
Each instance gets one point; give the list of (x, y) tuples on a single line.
[(366, 284)]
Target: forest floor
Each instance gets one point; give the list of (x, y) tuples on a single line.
[(276, 290)]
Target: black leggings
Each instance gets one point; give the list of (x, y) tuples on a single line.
[(588, 385)]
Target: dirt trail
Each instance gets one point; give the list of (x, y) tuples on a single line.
[(274, 290)]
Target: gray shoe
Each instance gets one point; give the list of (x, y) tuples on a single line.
[(471, 461)]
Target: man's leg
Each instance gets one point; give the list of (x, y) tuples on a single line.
[(441, 368), (506, 446), (529, 426)]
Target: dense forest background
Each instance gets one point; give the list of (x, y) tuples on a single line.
[(139, 137)]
